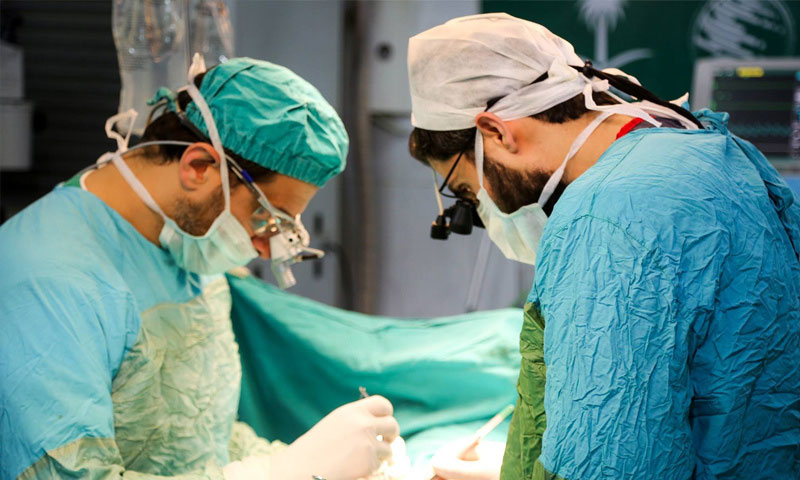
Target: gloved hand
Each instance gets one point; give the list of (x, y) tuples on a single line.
[(396, 468), (462, 460), (343, 445)]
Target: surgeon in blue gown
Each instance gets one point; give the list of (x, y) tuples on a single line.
[(117, 356), (661, 337)]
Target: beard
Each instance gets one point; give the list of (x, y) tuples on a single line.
[(196, 218), (516, 189)]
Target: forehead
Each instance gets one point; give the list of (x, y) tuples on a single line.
[(287, 193)]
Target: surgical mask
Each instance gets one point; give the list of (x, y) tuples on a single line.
[(288, 238), (226, 244), (517, 234)]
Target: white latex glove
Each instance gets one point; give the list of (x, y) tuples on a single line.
[(255, 467), (342, 446), (457, 461), (396, 468)]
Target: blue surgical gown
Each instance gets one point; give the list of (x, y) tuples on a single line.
[(113, 361), (662, 335)]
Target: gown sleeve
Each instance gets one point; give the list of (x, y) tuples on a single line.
[(617, 391), (61, 343), (245, 443)]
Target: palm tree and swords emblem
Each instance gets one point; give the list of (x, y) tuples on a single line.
[(602, 17)]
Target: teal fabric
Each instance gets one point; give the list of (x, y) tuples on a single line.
[(270, 116), (669, 282), (301, 359), (111, 358)]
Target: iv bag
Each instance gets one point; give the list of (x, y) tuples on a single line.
[(210, 32), (154, 48), (151, 50)]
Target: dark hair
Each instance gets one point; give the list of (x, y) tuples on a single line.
[(426, 145), (168, 126)]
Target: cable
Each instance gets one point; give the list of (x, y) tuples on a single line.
[(478, 274), (637, 91), (436, 192), (345, 272)]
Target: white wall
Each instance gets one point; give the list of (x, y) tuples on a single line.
[(305, 36), (420, 276)]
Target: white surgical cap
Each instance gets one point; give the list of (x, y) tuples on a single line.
[(456, 68)]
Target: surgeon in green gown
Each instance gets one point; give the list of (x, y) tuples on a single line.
[(117, 356)]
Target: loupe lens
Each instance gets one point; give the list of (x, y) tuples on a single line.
[(439, 228), (476, 219), (259, 220), (283, 275), (461, 220)]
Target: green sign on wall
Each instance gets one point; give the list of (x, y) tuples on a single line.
[(659, 41)]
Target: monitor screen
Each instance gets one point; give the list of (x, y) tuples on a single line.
[(764, 106), (762, 97)]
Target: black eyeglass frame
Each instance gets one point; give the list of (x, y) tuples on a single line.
[(447, 179), (489, 105)]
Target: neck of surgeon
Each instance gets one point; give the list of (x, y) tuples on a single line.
[(532, 144), (109, 185), (521, 155)]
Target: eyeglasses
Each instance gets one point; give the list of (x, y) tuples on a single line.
[(463, 215), (447, 179), (458, 218), (266, 219), (288, 238)]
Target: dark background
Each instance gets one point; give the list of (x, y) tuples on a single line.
[(72, 79)]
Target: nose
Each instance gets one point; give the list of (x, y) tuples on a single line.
[(261, 244)]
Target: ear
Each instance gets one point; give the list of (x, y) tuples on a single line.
[(195, 166), (495, 131)]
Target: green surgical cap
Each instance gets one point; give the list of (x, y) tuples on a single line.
[(270, 116)]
